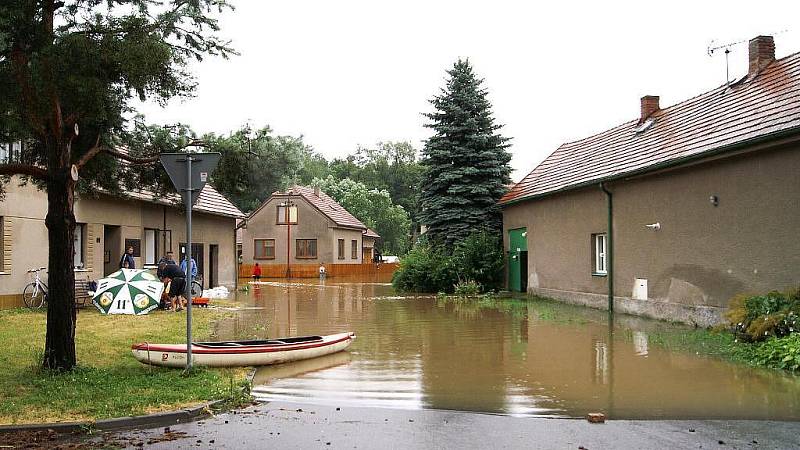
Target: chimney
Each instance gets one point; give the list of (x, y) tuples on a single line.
[(762, 52), (649, 106), (316, 191)]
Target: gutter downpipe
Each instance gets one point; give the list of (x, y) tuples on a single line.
[(238, 265), (610, 249)]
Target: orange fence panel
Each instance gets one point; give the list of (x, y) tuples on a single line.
[(312, 270)]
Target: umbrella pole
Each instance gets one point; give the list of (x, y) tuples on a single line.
[(189, 262)]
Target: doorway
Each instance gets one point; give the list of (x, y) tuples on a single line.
[(197, 254), (213, 267), (112, 248), (518, 260)]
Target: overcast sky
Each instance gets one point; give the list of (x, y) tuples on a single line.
[(343, 73)]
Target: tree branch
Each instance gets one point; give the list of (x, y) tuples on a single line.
[(23, 169), (96, 148), (131, 159), (123, 155)]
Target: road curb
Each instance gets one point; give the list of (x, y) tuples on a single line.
[(120, 423), (124, 423)]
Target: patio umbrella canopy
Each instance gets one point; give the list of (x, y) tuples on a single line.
[(128, 291)]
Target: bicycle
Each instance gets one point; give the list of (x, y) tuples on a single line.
[(35, 293), (197, 287)]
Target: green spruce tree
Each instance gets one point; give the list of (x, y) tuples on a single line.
[(466, 163)]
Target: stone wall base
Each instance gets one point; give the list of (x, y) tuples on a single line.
[(702, 316)]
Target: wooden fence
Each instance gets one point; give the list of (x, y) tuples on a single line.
[(312, 270)]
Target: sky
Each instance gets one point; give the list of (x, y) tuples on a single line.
[(348, 73)]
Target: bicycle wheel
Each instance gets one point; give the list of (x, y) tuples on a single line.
[(197, 289), (33, 296)]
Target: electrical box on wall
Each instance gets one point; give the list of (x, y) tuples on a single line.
[(640, 289)]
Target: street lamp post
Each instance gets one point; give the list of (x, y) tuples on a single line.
[(287, 207)]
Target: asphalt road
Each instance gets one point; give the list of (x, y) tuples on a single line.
[(298, 426)]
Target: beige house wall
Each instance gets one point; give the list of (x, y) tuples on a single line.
[(348, 236), (311, 224), (700, 257), (24, 209)]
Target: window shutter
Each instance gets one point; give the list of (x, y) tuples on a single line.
[(91, 233), (6, 227)]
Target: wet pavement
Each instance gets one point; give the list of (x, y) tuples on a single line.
[(302, 426)]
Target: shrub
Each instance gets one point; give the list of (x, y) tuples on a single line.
[(467, 288), (480, 258), (781, 353), (425, 268), (477, 262), (755, 318)]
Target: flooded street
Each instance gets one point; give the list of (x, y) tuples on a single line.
[(497, 356)]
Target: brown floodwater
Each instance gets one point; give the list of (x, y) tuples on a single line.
[(519, 357)]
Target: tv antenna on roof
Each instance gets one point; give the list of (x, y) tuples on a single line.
[(712, 49), (726, 48)]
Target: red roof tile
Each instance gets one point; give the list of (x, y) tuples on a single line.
[(751, 109), (210, 201)]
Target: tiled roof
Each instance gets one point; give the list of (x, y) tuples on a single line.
[(325, 204), (210, 201), (371, 233), (754, 108)]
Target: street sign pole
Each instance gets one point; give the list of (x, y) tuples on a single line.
[(189, 262), (189, 182)]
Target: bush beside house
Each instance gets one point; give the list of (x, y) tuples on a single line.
[(476, 264), (767, 326)]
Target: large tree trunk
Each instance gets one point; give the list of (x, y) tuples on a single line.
[(59, 351)]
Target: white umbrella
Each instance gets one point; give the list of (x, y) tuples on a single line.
[(128, 291)]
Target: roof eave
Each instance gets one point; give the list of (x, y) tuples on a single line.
[(665, 165)]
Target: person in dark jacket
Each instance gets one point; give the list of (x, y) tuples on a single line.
[(175, 279), (169, 259), (127, 261)]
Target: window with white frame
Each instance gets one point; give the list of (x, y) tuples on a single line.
[(150, 246), (287, 217), (600, 252), (78, 246)]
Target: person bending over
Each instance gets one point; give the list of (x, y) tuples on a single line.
[(175, 279)]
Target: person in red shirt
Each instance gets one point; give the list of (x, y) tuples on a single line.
[(257, 272)]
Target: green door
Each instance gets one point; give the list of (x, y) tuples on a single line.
[(518, 247)]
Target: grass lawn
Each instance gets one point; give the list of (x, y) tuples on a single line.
[(108, 381)]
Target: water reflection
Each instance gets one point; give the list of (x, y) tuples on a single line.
[(640, 343), (514, 357)]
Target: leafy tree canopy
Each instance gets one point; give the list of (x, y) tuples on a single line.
[(391, 166), (374, 208), (68, 73), (255, 164)]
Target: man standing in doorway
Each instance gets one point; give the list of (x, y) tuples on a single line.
[(194, 268), (127, 261)]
